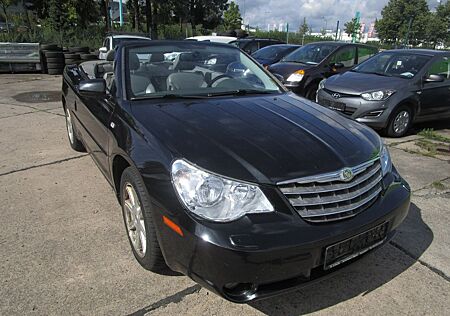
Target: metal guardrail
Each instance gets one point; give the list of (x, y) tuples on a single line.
[(15, 57)]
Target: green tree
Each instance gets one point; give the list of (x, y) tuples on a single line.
[(304, 28), (5, 4), (232, 17), (394, 26), (352, 27)]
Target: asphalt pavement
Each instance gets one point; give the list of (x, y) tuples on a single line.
[(64, 251)]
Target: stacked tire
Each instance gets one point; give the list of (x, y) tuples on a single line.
[(72, 58), (77, 55), (52, 59)]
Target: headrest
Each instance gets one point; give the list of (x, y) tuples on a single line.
[(157, 57), (110, 55), (184, 62), (134, 62)]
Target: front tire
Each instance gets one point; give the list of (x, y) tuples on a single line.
[(74, 141), (139, 223), (312, 92), (399, 122)]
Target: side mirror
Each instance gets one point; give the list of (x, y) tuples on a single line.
[(103, 50), (337, 65), (92, 87), (434, 78)]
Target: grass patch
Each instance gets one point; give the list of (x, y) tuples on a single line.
[(431, 134), (438, 185), (429, 147)]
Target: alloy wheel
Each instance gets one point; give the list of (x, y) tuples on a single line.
[(134, 220), (69, 126), (401, 122)]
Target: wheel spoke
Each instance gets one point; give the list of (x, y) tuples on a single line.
[(134, 220)]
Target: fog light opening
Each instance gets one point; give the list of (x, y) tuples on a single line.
[(374, 114), (247, 290)]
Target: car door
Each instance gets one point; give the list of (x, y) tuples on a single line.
[(435, 97), (94, 113), (346, 56)]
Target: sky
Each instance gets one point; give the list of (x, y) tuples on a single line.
[(319, 13)]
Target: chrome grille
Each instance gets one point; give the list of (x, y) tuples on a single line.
[(327, 197)]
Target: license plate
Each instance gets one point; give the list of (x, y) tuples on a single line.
[(354, 246), (333, 105)]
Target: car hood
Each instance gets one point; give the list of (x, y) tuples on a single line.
[(356, 83), (287, 68), (264, 139)]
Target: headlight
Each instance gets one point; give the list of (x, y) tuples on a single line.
[(322, 84), (214, 197), (377, 95), (296, 76), (385, 158)]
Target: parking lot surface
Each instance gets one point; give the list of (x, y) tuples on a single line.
[(64, 249)]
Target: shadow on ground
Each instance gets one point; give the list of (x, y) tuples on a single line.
[(435, 125), (360, 278)]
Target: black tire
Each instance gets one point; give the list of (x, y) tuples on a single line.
[(71, 61), (55, 65), (79, 50), (88, 57), (58, 71), (312, 91), (52, 54), (55, 60), (152, 259), (71, 56), (49, 46), (75, 141), (393, 130)]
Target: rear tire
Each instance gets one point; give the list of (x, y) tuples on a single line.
[(139, 223), (74, 141), (400, 122)]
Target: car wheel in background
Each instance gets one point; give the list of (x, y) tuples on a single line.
[(138, 219), (311, 92), (74, 141), (399, 122)]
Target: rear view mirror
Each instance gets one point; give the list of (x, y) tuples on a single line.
[(434, 78), (92, 87)]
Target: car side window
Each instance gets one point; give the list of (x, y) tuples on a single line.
[(365, 53), (252, 47), (440, 67), (346, 56)]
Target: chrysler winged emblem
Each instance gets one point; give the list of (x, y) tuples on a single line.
[(346, 174)]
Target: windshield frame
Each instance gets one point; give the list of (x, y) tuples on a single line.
[(389, 62), (125, 71), (334, 46)]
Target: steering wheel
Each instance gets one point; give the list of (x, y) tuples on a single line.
[(218, 78)]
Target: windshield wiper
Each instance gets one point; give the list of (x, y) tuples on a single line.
[(240, 92), (371, 73), (170, 96)]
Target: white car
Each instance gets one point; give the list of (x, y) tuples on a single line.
[(112, 41), (213, 38)]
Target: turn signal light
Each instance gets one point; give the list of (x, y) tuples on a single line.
[(173, 226), (300, 72)]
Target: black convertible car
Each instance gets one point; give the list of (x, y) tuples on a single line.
[(225, 176)]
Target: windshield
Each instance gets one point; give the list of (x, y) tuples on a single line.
[(117, 40), (191, 68), (273, 52), (311, 54), (403, 65)]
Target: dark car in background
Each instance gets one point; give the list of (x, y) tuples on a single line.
[(392, 90), (227, 177), (303, 69), (252, 44), (274, 53)]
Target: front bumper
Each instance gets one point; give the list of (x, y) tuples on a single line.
[(267, 254), (373, 113)]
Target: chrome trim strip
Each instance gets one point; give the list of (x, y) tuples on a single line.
[(331, 176), (330, 188), (343, 209), (339, 198)]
